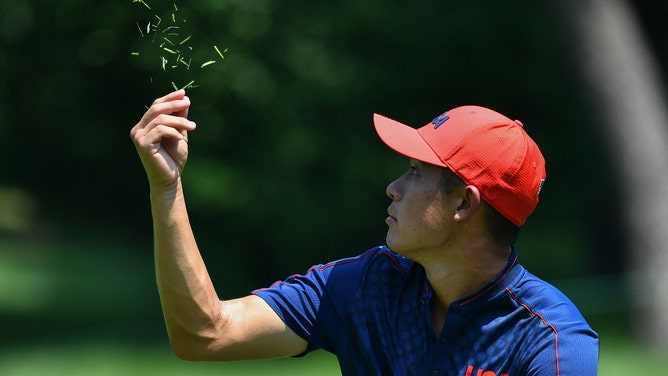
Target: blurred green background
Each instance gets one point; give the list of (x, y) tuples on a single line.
[(285, 169)]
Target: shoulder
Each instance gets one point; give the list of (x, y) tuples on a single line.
[(567, 340), (316, 305), (346, 272), (538, 297), (376, 258)]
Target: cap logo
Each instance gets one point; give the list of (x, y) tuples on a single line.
[(540, 188), (442, 118)]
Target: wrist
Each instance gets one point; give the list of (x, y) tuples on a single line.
[(166, 192)]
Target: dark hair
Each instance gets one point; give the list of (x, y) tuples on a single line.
[(449, 181), (499, 227)]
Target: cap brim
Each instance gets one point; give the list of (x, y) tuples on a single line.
[(405, 140)]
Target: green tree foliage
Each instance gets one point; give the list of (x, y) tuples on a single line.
[(285, 168)]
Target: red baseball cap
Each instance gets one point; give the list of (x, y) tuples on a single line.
[(483, 148)]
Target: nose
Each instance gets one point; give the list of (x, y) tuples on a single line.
[(391, 191)]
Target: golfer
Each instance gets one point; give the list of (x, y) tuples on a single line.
[(446, 295)]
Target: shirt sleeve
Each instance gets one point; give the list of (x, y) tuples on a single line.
[(574, 353), (315, 304)]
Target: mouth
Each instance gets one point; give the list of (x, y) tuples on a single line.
[(391, 219)]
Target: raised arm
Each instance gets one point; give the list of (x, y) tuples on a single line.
[(199, 324)]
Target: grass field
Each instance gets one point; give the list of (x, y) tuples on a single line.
[(94, 358), (107, 359), (89, 309)]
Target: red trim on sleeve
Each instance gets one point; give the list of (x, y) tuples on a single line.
[(554, 329)]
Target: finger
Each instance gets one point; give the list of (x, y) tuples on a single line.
[(176, 104), (158, 135), (183, 113), (174, 95), (174, 107), (179, 124)]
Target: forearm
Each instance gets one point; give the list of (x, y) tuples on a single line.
[(200, 325), (191, 307)]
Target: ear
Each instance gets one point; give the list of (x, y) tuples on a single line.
[(469, 204)]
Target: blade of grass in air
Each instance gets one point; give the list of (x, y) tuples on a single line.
[(219, 53), (188, 85), (142, 2), (173, 45)]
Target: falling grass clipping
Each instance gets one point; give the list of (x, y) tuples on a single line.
[(169, 38)]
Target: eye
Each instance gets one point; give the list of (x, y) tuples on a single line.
[(413, 170)]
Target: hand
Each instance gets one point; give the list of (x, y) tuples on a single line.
[(161, 139)]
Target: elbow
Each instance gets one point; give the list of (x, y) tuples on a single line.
[(192, 348), (184, 352), (187, 355), (199, 339), (191, 352)]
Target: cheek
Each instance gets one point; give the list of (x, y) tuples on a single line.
[(432, 211), (435, 218)]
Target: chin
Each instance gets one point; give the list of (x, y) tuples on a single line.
[(394, 247)]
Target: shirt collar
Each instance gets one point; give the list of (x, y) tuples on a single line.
[(492, 289), (497, 285)]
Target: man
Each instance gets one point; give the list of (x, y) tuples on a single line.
[(446, 296)]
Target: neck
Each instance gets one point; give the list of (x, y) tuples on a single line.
[(461, 274)]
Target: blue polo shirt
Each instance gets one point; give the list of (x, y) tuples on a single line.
[(372, 312)]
